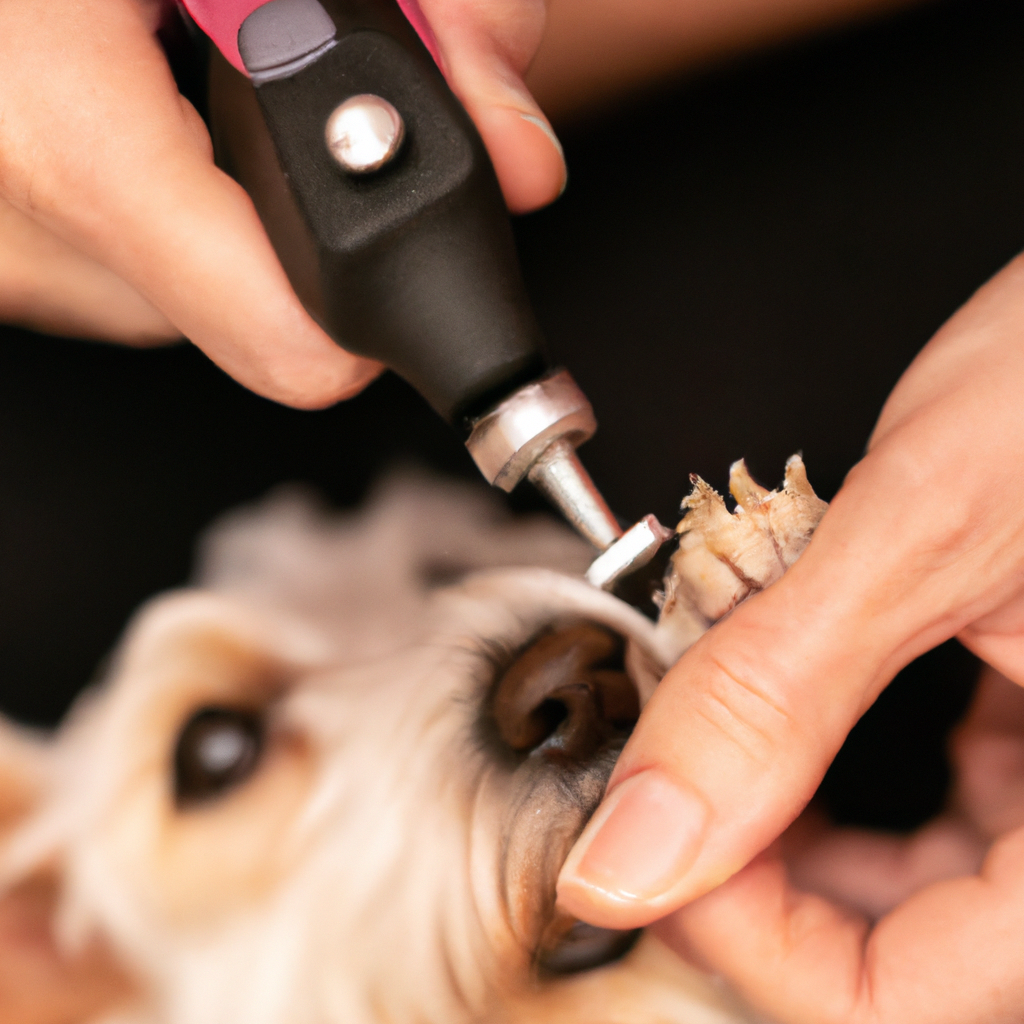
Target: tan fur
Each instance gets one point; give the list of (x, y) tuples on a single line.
[(383, 863)]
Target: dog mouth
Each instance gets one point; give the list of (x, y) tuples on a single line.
[(583, 947)]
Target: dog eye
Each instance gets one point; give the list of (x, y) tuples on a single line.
[(584, 947), (218, 748)]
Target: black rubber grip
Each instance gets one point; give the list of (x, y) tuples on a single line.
[(417, 262)]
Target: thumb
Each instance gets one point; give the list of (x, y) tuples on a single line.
[(740, 732), (484, 48)]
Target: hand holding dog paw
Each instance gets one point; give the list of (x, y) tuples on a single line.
[(924, 541)]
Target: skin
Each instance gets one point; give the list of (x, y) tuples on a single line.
[(923, 935), (925, 541)]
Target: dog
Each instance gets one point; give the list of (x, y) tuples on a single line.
[(334, 781)]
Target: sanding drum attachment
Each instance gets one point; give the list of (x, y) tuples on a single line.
[(534, 433)]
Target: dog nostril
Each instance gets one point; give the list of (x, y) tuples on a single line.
[(547, 718), (566, 694)]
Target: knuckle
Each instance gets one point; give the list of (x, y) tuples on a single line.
[(924, 543), (744, 708)]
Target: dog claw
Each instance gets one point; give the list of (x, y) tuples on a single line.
[(724, 556)]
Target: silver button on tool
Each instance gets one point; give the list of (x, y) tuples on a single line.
[(364, 133)]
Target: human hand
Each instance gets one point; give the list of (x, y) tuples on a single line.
[(115, 223), (924, 541), (946, 946)]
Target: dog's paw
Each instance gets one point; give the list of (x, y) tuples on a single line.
[(724, 556)]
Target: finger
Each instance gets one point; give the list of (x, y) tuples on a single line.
[(873, 872), (739, 733), (791, 955), (47, 285), (998, 639), (988, 757), (949, 955), (101, 150), (484, 49)]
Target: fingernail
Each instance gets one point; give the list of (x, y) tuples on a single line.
[(540, 123), (643, 838)]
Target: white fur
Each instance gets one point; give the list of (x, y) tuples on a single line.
[(386, 907)]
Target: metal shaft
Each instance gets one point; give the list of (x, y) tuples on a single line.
[(534, 433), (561, 477)]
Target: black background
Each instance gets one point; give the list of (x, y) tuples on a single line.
[(742, 265)]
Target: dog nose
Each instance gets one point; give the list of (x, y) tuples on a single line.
[(566, 695)]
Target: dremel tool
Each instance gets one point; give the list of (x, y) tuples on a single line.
[(414, 250)]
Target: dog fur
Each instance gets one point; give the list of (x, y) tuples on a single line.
[(391, 859)]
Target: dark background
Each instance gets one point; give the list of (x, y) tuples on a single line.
[(742, 265)]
